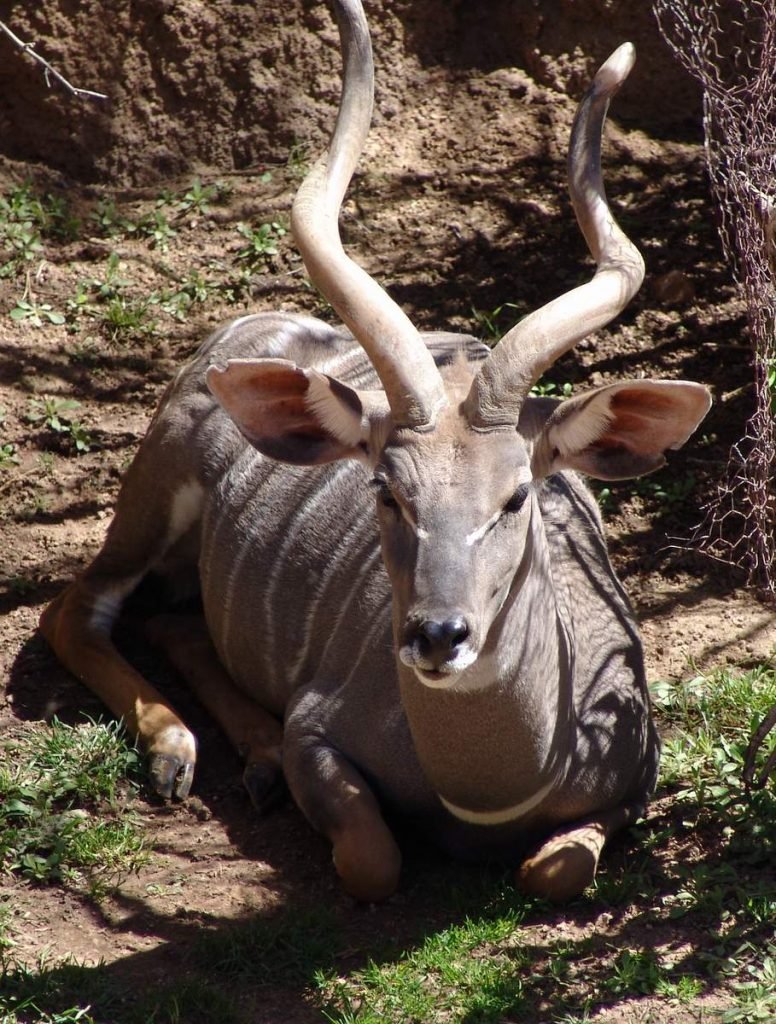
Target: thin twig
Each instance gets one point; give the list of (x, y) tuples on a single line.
[(49, 70), (6, 485)]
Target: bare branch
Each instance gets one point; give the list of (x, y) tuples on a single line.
[(48, 69)]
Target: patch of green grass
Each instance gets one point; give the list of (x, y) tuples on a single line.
[(62, 806), (283, 949), (756, 994), (122, 318), (41, 995), (472, 971), (634, 971), (493, 955), (707, 722), (28, 1011), (67, 991)]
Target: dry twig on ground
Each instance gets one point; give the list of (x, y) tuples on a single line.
[(48, 71)]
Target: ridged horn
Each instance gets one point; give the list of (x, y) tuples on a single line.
[(524, 353), (406, 369)]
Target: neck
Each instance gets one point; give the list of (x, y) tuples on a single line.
[(493, 745)]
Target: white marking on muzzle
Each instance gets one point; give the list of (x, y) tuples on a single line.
[(465, 657)]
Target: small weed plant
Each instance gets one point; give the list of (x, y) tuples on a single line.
[(104, 299), (661, 491), (198, 199), (708, 721), (298, 161), (8, 455), (261, 243), (155, 227), (491, 325), (176, 302), (53, 414), (123, 318), (37, 314), (106, 219), (549, 389), (26, 219)]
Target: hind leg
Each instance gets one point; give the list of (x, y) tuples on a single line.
[(156, 512), (256, 735)]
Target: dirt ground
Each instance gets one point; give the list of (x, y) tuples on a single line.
[(459, 207)]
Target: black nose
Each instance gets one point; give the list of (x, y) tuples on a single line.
[(439, 641)]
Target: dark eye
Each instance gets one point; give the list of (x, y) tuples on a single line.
[(517, 500), (383, 492)]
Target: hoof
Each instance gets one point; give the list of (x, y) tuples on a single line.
[(266, 785), (170, 776)]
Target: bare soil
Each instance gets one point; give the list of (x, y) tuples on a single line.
[(458, 207)]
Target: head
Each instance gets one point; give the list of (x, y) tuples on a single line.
[(455, 502), (454, 462)]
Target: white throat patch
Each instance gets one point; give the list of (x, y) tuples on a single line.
[(505, 814)]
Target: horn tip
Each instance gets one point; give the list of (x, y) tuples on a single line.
[(615, 69)]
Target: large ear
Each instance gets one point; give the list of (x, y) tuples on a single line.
[(298, 415), (621, 430)]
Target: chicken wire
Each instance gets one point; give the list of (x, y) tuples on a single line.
[(730, 47)]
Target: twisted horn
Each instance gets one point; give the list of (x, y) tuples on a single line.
[(411, 380), (524, 353)]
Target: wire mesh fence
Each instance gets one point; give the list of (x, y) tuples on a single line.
[(730, 47)]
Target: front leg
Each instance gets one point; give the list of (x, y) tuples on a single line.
[(336, 799), (565, 863), (78, 629)]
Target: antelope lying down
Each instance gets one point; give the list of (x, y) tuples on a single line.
[(396, 556)]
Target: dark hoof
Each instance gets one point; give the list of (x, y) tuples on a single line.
[(265, 784), (170, 776)]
